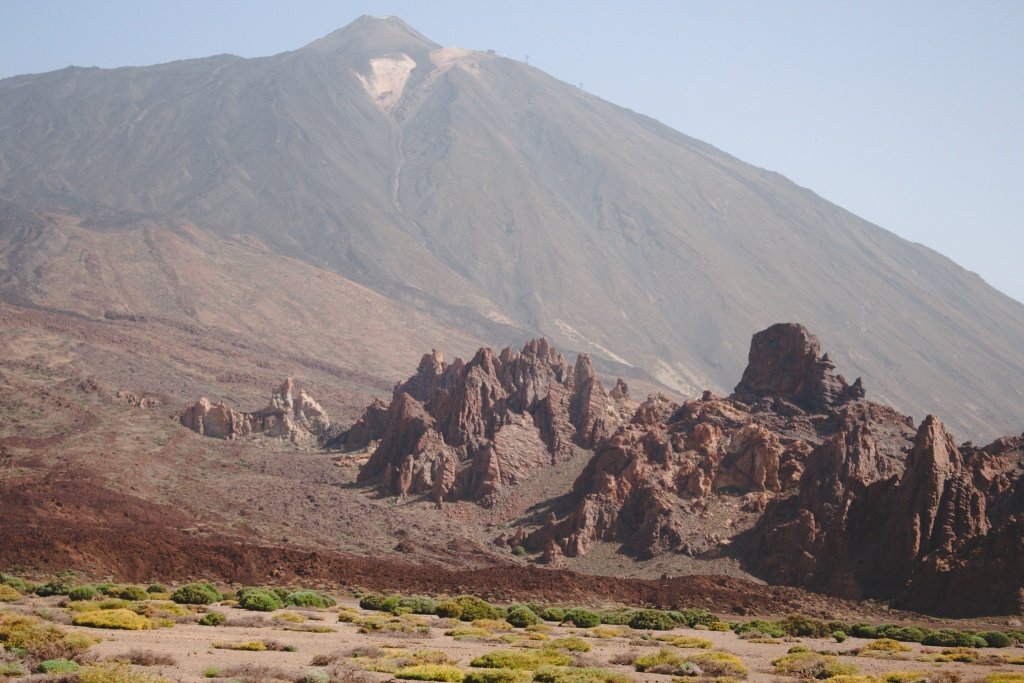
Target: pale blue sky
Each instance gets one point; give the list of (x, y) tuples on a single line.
[(909, 114)]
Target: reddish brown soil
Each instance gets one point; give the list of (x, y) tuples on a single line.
[(72, 522)]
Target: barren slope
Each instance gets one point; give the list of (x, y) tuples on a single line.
[(489, 195)]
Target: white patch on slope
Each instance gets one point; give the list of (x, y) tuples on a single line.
[(573, 334), (387, 79)]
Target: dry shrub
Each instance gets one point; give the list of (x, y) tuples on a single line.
[(146, 658), (254, 673)]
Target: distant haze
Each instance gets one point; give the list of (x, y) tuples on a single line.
[(907, 114), (482, 192)]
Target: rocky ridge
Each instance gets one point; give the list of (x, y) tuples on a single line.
[(796, 475), (468, 430), (300, 418)]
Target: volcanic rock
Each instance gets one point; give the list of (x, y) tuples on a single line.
[(785, 360), (470, 430), (298, 418)]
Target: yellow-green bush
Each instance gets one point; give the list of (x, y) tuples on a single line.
[(41, 640), (661, 658), (885, 645), (498, 676), (430, 672), (570, 644), (953, 654), (8, 593), (812, 665), (553, 674), (718, 664), (1004, 677), (290, 617), (112, 618), (686, 642), (115, 672), (529, 660)]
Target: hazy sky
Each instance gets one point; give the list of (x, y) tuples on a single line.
[(907, 113)]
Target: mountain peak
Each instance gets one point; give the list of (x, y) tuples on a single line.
[(370, 34)]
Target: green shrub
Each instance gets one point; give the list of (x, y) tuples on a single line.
[(834, 626), (474, 608), (616, 617), (109, 589), (553, 674), (692, 616), (18, 584), (521, 616), (198, 593), (950, 638), (528, 660), (56, 586), (811, 665), (133, 593), (519, 551), (9, 593), (211, 672), (448, 609), (156, 588), (212, 619), (430, 672), (652, 619), (112, 618), (309, 599), (904, 634), (996, 639), (373, 602), (863, 631), (840, 636), (79, 593), (498, 676), (583, 618), (804, 627), (259, 599), (760, 626), (58, 666), (417, 604), (556, 614)]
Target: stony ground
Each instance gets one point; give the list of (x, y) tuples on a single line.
[(307, 641)]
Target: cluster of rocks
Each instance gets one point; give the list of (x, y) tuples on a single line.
[(298, 418), (796, 473), (468, 430)]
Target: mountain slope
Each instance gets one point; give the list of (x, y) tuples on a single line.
[(509, 204)]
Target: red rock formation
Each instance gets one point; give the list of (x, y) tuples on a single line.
[(470, 430), (301, 419), (785, 361)]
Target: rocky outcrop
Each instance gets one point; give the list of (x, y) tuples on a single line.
[(857, 528), (654, 485), (808, 484), (298, 418), (469, 430), (785, 361)]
